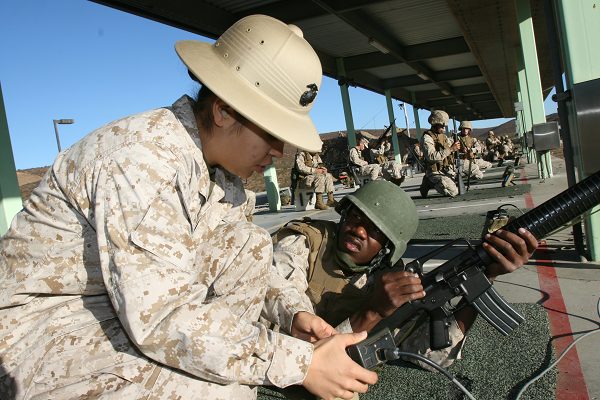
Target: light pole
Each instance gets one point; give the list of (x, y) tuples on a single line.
[(403, 108), (62, 122)]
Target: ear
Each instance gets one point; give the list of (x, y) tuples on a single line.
[(221, 117)]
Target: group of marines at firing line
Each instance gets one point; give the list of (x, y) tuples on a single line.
[(436, 153)]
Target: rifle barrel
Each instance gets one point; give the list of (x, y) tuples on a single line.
[(560, 209)]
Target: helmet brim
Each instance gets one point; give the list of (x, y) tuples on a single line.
[(293, 128)]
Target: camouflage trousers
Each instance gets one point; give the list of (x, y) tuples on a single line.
[(470, 167), (373, 170), (74, 347), (322, 183), (443, 184), (482, 164), (392, 170)]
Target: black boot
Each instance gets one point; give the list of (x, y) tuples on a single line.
[(425, 187)]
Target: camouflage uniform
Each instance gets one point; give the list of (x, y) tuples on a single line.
[(380, 154), (131, 273), (307, 167), (373, 170), (505, 146), (250, 205), (471, 164), (479, 149), (390, 169), (491, 142), (337, 295), (436, 154), (405, 143)]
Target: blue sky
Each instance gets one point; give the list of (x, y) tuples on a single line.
[(84, 61)]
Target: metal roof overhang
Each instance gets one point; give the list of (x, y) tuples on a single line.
[(456, 55)]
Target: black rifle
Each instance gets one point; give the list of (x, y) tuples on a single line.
[(467, 155), (463, 276), (382, 137), (459, 178)]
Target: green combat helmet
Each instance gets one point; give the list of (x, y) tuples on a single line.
[(438, 117), (465, 125), (390, 209)]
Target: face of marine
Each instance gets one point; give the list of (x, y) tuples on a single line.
[(238, 145), (359, 237)]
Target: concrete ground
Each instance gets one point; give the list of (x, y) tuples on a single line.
[(556, 277)]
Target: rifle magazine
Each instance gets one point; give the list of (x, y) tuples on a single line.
[(497, 312)]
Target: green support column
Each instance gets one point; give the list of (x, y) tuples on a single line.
[(524, 98), (532, 75), (579, 30), (522, 81), (346, 104), (10, 194), (272, 187), (390, 109), (416, 114)]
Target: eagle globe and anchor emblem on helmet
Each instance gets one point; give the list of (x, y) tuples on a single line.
[(308, 96)]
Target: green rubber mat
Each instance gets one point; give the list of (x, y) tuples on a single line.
[(474, 194), (493, 366), (467, 226)]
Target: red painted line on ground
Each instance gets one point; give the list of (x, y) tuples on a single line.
[(570, 383)]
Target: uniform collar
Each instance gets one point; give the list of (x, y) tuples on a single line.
[(227, 187)]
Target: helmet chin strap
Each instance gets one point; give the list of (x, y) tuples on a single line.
[(346, 261), (380, 256)]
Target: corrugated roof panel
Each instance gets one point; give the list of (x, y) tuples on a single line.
[(330, 34), (391, 71), (467, 81), (449, 62), (407, 21), (343, 28), (418, 88), (237, 6)]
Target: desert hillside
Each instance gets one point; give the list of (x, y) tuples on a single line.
[(334, 155)]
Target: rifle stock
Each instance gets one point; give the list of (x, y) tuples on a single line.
[(463, 276)]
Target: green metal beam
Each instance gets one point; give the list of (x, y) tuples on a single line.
[(524, 98), (417, 52), (346, 105), (10, 194), (532, 75), (390, 110), (579, 27), (272, 186)]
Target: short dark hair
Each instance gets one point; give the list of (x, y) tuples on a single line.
[(202, 108)]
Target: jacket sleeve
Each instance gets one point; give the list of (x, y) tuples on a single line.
[(355, 157), (290, 261), (161, 275), (302, 167), (430, 153)]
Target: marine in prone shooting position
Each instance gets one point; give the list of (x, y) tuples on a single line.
[(343, 269)]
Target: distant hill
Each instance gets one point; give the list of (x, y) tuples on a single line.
[(508, 128), (29, 178)]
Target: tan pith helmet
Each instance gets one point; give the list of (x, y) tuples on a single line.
[(266, 71)]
